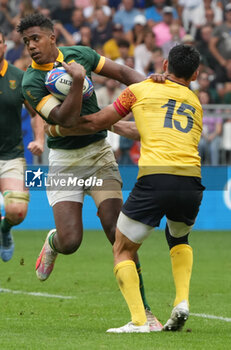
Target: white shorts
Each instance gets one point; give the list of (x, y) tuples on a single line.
[(86, 167), (13, 168)]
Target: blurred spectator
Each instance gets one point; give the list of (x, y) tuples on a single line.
[(155, 64), (89, 12), (126, 15), (200, 18), (108, 93), (27, 134), (188, 39), (15, 53), (209, 145), (50, 5), (5, 17), (220, 44), (187, 10), (124, 46), (63, 37), (130, 62), (175, 39), (63, 12), (82, 4), (125, 146), (86, 36), (143, 52), (224, 89), (114, 4), (77, 21), (162, 29), (207, 10), (136, 35), (24, 61), (105, 96), (204, 85), (111, 48), (25, 8), (154, 13), (202, 46), (102, 32)]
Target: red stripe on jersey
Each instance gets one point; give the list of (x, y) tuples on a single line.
[(124, 102)]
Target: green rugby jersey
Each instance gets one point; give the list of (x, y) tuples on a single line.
[(11, 101), (35, 91)]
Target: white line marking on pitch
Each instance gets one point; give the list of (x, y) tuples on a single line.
[(35, 294), (226, 319), (47, 295)]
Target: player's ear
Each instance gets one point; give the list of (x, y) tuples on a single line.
[(195, 75), (165, 65), (53, 38)]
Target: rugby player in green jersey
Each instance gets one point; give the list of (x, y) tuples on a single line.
[(12, 160), (84, 156)]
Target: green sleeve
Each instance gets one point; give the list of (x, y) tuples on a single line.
[(33, 89)]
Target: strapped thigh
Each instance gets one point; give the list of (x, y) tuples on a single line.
[(12, 197)]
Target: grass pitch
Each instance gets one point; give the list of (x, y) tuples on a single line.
[(38, 322)]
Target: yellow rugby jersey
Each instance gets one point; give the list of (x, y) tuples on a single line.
[(169, 119)]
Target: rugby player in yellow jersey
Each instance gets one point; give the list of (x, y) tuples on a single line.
[(168, 118)]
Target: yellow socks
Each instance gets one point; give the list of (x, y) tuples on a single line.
[(182, 261), (128, 280)]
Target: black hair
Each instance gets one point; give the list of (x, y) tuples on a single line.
[(183, 61), (123, 43), (34, 20)]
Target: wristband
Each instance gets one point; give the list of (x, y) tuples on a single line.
[(57, 129), (49, 130)]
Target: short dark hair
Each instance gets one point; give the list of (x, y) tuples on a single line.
[(123, 43), (183, 61), (3, 36), (34, 20)]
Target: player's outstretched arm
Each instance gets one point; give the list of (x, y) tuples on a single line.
[(68, 113), (88, 124), (120, 72), (127, 129)]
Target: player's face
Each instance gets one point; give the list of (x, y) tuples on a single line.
[(2, 48), (40, 43)]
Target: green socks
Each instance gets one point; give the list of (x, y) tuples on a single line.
[(142, 291)]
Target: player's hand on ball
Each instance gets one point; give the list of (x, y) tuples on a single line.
[(76, 70)]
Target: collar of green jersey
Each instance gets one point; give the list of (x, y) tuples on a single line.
[(47, 66), (4, 68)]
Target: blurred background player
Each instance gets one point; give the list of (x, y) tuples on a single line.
[(12, 162), (85, 156)]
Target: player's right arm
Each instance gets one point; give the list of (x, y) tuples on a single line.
[(52, 110), (123, 128)]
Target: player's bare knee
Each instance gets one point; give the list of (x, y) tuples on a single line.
[(16, 204), (69, 244), (16, 213)]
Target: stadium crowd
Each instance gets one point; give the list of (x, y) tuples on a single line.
[(140, 34)]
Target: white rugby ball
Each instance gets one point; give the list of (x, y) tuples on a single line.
[(58, 83)]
